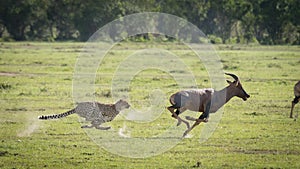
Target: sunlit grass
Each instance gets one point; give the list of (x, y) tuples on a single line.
[(36, 79)]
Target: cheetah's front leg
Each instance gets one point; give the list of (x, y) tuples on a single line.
[(102, 128)]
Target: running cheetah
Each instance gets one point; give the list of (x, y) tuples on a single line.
[(95, 112)]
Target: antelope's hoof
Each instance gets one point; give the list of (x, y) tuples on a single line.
[(198, 121), (202, 120), (185, 133)]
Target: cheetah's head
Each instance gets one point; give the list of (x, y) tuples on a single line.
[(121, 105)]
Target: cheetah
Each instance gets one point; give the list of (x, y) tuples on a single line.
[(95, 112)]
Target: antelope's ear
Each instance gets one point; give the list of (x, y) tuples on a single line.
[(229, 82), (236, 83)]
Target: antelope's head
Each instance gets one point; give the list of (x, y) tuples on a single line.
[(236, 87)]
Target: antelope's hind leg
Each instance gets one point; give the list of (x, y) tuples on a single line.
[(176, 115)]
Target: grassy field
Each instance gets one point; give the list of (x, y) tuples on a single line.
[(36, 79)]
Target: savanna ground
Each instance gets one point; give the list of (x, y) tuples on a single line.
[(36, 79)]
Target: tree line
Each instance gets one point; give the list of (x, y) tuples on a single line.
[(223, 21)]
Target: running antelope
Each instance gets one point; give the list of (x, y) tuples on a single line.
[(204, 100), (296, 99)]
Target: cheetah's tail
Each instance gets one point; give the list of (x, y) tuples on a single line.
[(57, 116)]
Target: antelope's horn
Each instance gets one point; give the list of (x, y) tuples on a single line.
[(234, 76)]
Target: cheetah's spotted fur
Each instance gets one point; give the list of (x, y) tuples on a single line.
[(95, 112)]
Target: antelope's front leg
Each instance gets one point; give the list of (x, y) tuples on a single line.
[(198, 121), (293, 105), (294, 102), (203, 118)]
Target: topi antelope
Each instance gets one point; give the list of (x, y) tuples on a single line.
[(204, 100), (296, 99)]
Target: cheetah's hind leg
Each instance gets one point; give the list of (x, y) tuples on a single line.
[(93, 124), (97, 125), (87, 126)]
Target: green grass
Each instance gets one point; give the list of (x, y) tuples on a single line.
[(36, 79)]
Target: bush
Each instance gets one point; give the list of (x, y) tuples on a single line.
[(215, 40), (5, 86)]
